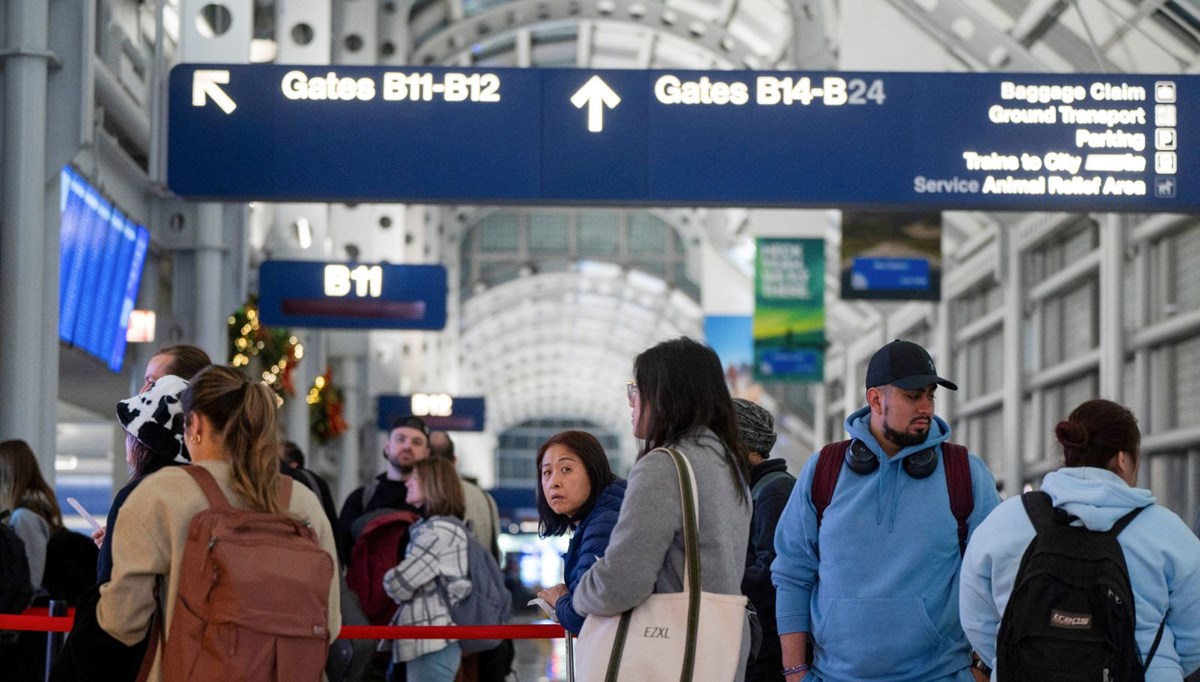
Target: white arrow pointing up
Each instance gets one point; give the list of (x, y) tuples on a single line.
[(596, 95), (207, 82)]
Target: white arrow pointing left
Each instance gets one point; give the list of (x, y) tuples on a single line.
[(207, 83), (596, 95)]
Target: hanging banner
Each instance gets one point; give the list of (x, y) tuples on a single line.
[(732, 337), (789, 309), (892, 256)]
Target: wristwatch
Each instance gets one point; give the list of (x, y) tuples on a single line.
[(979, 665)]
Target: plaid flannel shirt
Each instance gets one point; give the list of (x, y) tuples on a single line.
[(437, 548)]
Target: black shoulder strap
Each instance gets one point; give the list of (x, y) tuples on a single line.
[(958, 483), (1040, 510), (1124, 521), (829, 467), (368, 492), (764, 481)]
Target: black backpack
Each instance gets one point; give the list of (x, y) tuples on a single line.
[(1070, 616), (70, 565), (16, 588)]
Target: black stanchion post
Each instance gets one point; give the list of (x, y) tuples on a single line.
[(54, 640)]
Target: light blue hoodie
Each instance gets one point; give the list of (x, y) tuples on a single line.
[(1162, 554), (878, 588)]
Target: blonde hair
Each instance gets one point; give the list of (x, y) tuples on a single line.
[(442, 487), (243, 412), (22, 485)]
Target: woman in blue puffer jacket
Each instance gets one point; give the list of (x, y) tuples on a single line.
[(579, 492)]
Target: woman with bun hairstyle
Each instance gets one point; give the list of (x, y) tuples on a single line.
[(230, 429), (1100, 441), (580, 493)]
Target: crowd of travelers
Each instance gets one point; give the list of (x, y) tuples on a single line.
[(889, 557)]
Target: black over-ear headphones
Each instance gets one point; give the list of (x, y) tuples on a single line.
[(918, 465)]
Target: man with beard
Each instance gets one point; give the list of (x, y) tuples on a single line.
[(869, 545), (408, 441)]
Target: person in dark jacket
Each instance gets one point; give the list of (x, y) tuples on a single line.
[(408, 442), (153, 423), (770, 486), (579, 492), (292, 464)]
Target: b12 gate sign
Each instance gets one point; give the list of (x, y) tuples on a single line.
[(440, 411), (352, 295), (912, 141)]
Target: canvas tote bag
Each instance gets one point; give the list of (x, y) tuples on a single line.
[(689, 636)]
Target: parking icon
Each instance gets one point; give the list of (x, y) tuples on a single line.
[(1164, 139)]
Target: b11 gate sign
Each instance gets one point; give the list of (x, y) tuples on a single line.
[(352, 295), (913, 141)]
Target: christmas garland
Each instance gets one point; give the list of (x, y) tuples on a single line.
[(263, 352), (325, 420)]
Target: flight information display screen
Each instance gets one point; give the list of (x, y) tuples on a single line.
[(100, 267), (911, 141)]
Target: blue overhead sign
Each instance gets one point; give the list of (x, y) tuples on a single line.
[(442, 412), (994, 141), (351, 295)]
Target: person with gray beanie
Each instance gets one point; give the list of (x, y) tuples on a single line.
[(770, 486)]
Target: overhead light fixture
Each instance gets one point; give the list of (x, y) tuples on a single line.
[(303, 231)]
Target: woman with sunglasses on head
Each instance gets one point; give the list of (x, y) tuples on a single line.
[(679, 400), (580, 493)]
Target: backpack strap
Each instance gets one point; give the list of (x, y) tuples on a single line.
[(310, 480), (829, 467), (210, 487), (765, 481), (958, 484), (1157, 641), (1124, 521), (368, 492), (1039, 509)]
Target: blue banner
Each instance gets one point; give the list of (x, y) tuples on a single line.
[(914, 141)]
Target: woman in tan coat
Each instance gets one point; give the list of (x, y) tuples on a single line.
[(230, 428)]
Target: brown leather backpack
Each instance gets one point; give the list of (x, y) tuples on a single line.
[(253, 596)]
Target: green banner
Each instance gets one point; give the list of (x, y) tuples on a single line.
[(789, 309)]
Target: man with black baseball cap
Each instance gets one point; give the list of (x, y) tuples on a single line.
[(883, 519)]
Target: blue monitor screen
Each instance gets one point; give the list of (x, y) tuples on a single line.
[(100, 267)]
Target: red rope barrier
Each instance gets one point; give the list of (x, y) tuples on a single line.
[(36, 620), (37, 623), (451, 632)]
